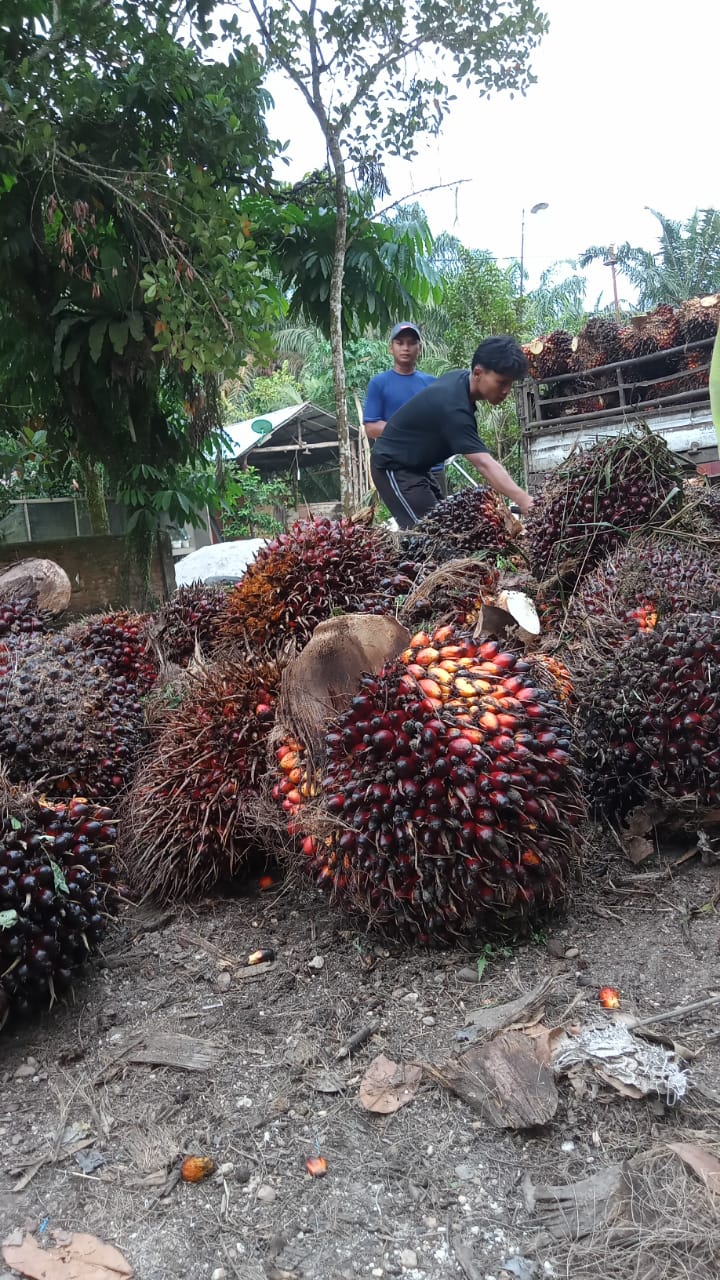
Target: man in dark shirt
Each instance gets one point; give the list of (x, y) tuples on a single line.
[(439, 423)]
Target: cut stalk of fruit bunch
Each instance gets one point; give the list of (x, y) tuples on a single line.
[(448, 802)]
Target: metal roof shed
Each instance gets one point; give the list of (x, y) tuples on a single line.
[(300, 441)]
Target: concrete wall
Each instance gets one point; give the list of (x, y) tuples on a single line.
[(97, 571)]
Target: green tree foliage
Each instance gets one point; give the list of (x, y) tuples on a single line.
[(685, 265), (248, 495), (128, 274), (375, 77), (388, 264), (479, 300)]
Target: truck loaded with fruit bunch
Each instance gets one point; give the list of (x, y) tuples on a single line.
[(582, 389)]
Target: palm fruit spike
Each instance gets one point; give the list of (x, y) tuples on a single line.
[(638, 586), (189, 816), (67, 720), (648, 717), (56, 878), (453, 593), (471, 521), (191, 618), (597, 497), (449, 799), (319, 568), (119, 643)]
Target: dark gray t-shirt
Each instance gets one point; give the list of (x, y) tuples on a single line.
[(433, 426)]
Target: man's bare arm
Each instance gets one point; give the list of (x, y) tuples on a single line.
[(501, 480), (373, 430)]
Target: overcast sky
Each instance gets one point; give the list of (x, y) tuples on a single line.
[(623, 116)]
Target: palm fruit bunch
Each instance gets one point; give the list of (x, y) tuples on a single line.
[(319, 568), (552, 674), (453, 593), (189, 820), (393, 588), (470, 521), (67, 719), (191, 618), (449, 800), (639, 585), (20, 617), (664, 325), (119, 643), (549, 357), (597, 343), (57, 879), (648, 717), (699, 318), (597, 497), (698, 364)]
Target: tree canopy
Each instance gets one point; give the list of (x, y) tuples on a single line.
[(128, 274)]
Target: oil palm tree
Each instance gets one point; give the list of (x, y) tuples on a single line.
[(686, 264)]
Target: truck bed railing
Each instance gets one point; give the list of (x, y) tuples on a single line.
[(627, 395)]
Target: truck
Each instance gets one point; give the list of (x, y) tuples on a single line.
[(667, 390)]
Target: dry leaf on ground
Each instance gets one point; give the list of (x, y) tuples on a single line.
[(503, 1080), (387, 1086), (75, 1256), (701, 1162)]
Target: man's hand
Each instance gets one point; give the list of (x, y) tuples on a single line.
[(500, 479)]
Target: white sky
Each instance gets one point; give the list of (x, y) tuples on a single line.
[(623, 115)]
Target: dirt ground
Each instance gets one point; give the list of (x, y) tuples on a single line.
[(432, 1191)]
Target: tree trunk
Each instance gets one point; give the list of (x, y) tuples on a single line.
[(347, 495), (92, 476)]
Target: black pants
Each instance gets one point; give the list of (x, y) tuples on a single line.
[(408, 495)]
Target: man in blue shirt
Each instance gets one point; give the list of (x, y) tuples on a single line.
[(389, 391)]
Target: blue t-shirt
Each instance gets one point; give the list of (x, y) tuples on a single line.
[(389, 391)]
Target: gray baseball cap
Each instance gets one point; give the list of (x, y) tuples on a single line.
[(403, 328)]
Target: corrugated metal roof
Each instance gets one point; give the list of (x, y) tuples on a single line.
[(316, 424)]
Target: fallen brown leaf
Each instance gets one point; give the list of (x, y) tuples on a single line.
[(705, 1165), (77, 1256), (387, 1086)]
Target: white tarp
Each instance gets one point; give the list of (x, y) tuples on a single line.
[(223, 560)]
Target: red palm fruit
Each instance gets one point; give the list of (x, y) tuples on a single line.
[(648, 716), (57, 877), (319, 568), (592, 502), (448, 867), (191, 618)]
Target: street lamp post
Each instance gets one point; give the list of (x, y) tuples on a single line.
[(536, 208)]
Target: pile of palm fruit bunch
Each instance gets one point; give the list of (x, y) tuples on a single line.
[(472, 521), (73, 709), (653, 339), (189, 621), (447, 804), (647, 581), (57, 889), (596, 499), (648, 718), (189, 820), (319, 568)]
